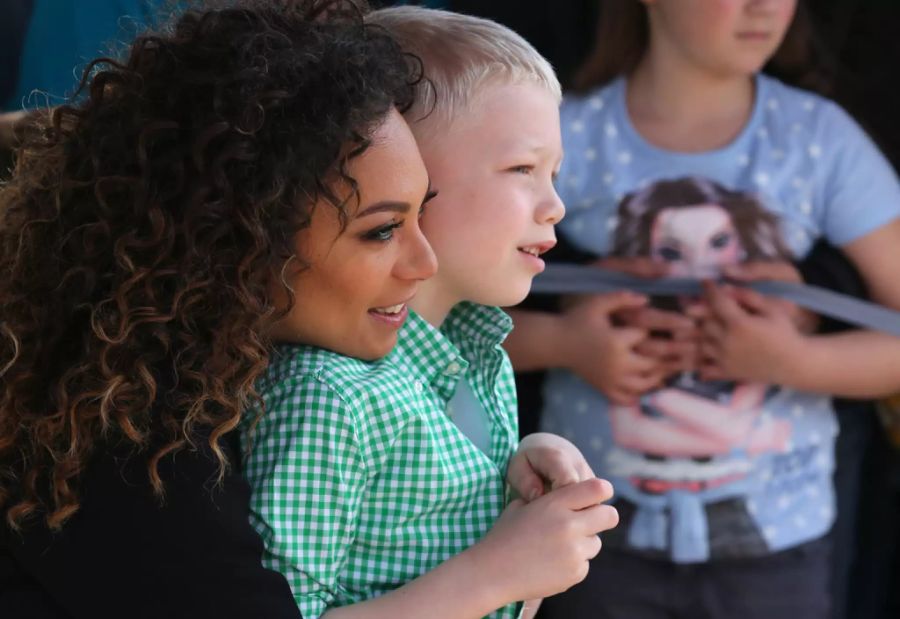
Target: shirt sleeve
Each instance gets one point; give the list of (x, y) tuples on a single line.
[(307, 477), (861, 190)]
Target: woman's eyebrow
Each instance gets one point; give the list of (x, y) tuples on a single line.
[(380, 207)]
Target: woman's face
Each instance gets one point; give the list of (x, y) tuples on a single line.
[(725, 37), (353, 297), (695, 241)]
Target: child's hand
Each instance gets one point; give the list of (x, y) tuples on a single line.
[(545, 460), (672, 337), (782, 271), (543, 547), (604, 354), (748, 337)]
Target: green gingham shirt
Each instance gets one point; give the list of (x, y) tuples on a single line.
[(361, 482)]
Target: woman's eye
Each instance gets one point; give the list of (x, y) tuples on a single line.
[(383, 233), (669, 254)]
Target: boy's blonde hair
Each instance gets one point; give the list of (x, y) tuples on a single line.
[(461, 54)]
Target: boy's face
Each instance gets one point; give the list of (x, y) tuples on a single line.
[(493, 169)]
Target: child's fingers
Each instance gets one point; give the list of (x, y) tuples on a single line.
[(583, 494), (659, 348), (584, 470), (623, 397), (653, 319), (710, 351), (751, 300), (721, 304), (641, 383), (598, 518), (711, 371), (619, 301), (523, 479), (713, 331), (763, 270), (629, 337)]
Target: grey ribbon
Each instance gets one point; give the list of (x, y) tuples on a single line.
[(572, 278)]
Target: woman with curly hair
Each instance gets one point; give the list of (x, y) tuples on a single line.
[(146, 239)]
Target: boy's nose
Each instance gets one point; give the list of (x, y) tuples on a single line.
[(419, 261), (551, 210)]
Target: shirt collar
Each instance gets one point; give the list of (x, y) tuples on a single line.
[(469, 331)]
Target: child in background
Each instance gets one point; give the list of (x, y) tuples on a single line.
[(712, 525), (378, 471)]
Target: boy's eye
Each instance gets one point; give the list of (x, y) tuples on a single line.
[(522, 169), (382, 233), (432, 193)]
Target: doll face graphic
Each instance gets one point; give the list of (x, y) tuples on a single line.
[(695, 241)]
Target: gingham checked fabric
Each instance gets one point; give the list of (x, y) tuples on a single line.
[(360, 480)]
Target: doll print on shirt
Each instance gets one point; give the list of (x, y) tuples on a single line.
[(693, 436)]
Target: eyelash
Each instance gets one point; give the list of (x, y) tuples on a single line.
[(385, 233)]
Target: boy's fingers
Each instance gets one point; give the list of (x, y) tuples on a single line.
[(584, 470), (523, 479), (584, 494), (598, 518)]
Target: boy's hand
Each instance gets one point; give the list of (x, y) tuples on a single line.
[(748, 337), (543, 547), (606, 355), (545, 461)]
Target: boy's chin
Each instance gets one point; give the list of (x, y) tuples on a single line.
[(507, 295)]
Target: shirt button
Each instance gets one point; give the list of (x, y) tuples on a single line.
[(419, 386), (453, 368)]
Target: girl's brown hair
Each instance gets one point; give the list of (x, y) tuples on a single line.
[(146, 226), (622, 38)]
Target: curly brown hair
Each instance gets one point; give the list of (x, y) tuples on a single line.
[(147, 225)]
